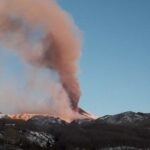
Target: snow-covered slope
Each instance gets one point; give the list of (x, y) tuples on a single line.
[(3, 116), (125, 118), (40, 139), (46, 120)]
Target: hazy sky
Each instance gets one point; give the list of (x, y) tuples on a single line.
[(115, 61)]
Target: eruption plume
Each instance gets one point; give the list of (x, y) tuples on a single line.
[(44, 35)]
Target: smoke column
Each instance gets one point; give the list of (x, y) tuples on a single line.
[(57, 46)]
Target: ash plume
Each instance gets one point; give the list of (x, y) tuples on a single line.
[(43, 35)]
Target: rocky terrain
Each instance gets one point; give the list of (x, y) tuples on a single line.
[(123, 131)]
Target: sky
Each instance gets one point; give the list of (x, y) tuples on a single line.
[(115, 61)]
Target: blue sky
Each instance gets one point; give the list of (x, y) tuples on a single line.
[(115, 62)]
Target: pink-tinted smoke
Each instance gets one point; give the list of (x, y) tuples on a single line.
[(58, 47)]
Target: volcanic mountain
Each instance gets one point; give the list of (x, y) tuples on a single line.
[(128, 130), (26, 116)]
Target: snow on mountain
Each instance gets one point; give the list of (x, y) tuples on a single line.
[(46, 120), (41, 139), (3, 116), (125, 118)]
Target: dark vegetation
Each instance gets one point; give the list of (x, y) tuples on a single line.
[(90, 136)]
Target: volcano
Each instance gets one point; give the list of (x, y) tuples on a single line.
[(27, 116), (128, 130), (86, 114)]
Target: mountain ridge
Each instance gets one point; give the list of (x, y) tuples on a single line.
[(123, 118), (127, 130), (128, 117)]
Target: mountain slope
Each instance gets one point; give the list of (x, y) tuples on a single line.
[(126, 118), (127, 130)]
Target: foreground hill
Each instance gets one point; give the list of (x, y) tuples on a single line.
[(127, 130)]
